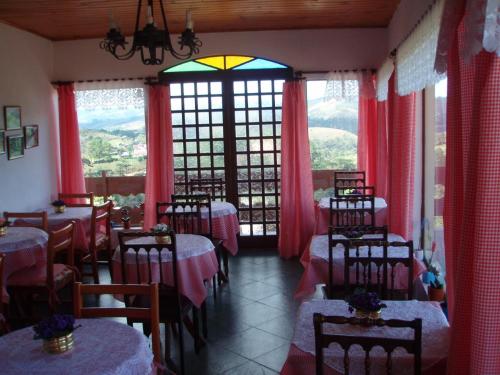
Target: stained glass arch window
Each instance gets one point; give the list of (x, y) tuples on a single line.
[(225, 63)]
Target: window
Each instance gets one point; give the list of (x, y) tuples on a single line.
[(112, 131), (332, 110)]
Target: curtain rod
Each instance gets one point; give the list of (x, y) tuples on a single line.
[(419, 21), (301, 72), (148, 79)]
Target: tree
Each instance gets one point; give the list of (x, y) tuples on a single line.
[(98, 149)]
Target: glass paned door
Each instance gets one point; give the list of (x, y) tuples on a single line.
[(257, 129), (198, 131)]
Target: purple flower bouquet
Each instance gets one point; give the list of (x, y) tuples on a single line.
[(365, 303), (57, 325)]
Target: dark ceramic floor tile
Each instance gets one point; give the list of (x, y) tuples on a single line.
[(275, 359), (257, 313), (253, 343), (256, 291), (281, 301), (250, 368), (281, 326)]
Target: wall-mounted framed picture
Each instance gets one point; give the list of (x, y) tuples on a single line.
[(2, 142), (30, 136), (15, 147), (12, 116)]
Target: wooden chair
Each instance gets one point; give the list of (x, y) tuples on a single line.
[(31, 216), (352, 211), (212, 186), (149, 315), (4, 328), (100, 238), (367, 343), (349, 179), (174, 308), (38, 281), (75, 200), (374, 266)]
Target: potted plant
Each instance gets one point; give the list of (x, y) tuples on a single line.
[(162, 233), (3, 226), (429, 275), (433, 276), (56, 333), (59, 206), (436, 289), (365, 304)]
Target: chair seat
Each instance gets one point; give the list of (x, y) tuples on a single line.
[(37, 277)]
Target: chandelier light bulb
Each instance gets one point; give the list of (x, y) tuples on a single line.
[(189, 20)]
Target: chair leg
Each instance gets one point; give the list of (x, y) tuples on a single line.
[(204, 325), (181, 347), (226, 263), (214, 286), (196, 329), (219, 273), (95, 270)]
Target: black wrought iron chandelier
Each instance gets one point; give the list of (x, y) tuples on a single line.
[(151, 41)]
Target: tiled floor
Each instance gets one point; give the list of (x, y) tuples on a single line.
[(250, 325)]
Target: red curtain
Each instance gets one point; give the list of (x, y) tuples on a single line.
[(367, 131), (401, 147), (160, 162), (297, 203), (72, 180), (382, 161), (472, 210)]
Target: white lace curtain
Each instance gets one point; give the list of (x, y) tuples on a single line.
[(416, 56), (110, 95), (342, 85), (482, 29), (383, 76)]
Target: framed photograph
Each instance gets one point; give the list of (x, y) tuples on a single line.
[(30, 136), (12, 115), (15, 147), (2, 142)]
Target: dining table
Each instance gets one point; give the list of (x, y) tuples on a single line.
[(196, 262), (23, 247), (435, 339), (322, 212), (101, 347), (315, 263), (82, 217)]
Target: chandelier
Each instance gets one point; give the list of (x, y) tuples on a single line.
[(151, 41)]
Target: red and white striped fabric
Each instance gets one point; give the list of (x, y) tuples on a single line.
[(226, 228), (472, 210)]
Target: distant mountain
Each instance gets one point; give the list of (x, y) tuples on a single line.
[(128, 119)]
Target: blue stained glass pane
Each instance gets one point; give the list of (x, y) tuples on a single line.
[(190, 66), (260, 64)]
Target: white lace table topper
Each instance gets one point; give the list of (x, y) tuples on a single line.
[(219, 209), (102, 347), (188, 245), (380, 204), (70, 213), (21, 238), (435, 335)]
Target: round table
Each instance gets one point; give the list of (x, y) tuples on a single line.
[(23, 247), (323, 213), (196, 262), (102, 347)]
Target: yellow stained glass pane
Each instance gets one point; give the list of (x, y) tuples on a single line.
[(232, 61), (217, 61)]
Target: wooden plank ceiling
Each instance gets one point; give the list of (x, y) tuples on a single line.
[(81, 19)]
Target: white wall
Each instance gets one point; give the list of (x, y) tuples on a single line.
[(302, 49), (25, 74)]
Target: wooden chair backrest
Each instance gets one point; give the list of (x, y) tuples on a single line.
[(42, 216), (101, 217), (75, 200), (352, 211), (183, 217), (150, 313), (60, 240), (204, 203), (342, 191), (349, 179), (212, 186), (323, 340)]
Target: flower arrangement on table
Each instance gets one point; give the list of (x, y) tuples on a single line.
[(366, 304), (162, 233), (3, 226), (59, 206), (56, 332), (433, 276)]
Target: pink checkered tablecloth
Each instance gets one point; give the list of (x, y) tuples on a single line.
[(196, 262), (322, 210), (435, 340), (23, 248), (102, 347), (80, 215), (315, 262)]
